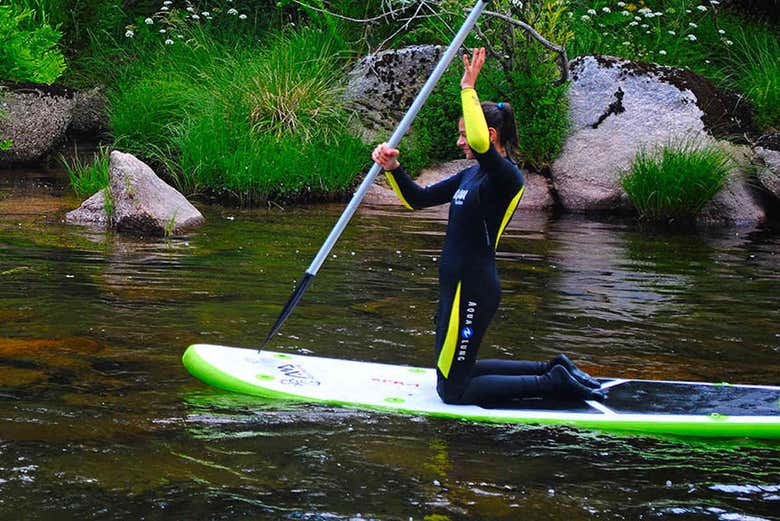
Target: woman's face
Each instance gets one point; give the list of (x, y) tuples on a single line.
[(462, 141)]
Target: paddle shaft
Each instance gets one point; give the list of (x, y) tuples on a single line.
[(395, 139), (349, 211)]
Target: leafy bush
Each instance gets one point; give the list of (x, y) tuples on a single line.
[(86, 178), (519, 71), (28, 52), (676, 181)]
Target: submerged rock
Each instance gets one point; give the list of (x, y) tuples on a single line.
[(139, 202)]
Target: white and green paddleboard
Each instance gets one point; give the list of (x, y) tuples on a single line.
[(642, 406)]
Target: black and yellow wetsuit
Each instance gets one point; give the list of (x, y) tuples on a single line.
[(482, 199)]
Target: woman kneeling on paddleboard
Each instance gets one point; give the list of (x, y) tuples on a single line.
[(483, 199)]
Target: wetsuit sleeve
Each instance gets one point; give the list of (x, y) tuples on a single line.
[(414, 196), (502, 172), (477, 133)]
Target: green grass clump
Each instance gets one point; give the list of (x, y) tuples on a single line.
[(238, 119), (676, 181), (753, 67), (86, 178)]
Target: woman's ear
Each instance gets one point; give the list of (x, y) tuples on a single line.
[(493, 135)]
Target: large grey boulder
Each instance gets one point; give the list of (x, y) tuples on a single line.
[(767, 162), (36, 118), (89, 114), (768, 171), (618, 107), (383, 85), (140, 202)]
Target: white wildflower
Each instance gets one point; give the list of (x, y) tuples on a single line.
[(707, 62), (729, 42), (167, 2), (626, 13), (714, 2), (644, 26), (693, 25), (584, 18), (206, 14), (148, 21), (721, 31), (691, 37), (649, 15), (645, 10), (242, 17), (657, 14), (606, 9), (191, 9), (688, 11), (180, 36), (662, 52), (626, 43), (671, 32), (592, 12), (164, 8), (232, 12), (129, 34), (701, 8), (195, 17), (168, 42), (163, 31), (621, 4), (638, 18), (633, 23)]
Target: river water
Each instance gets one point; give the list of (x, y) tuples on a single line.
[(99, 420)]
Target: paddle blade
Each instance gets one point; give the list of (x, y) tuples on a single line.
[(288, 308)]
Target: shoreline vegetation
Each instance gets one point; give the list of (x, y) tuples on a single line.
[(242, 100)]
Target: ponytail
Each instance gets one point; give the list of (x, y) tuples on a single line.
[(501, 117)]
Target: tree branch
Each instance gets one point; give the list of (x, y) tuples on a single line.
[(563, 60)]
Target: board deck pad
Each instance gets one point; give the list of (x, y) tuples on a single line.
[(644, 406)]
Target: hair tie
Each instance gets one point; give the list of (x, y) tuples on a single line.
[(500, 105)]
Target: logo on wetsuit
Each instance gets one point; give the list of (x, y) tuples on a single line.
[(459, 196), (467, 332)]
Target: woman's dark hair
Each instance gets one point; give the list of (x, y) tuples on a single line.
[(501, 117)]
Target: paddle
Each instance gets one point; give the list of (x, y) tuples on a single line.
[(399, 132)]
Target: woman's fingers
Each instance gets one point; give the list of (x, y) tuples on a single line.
[(385, 156), (472, 67)]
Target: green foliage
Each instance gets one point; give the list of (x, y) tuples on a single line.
[(28, 51), (241, 121), (86, 178), (676, 181), (519, 71), (754, 69)]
